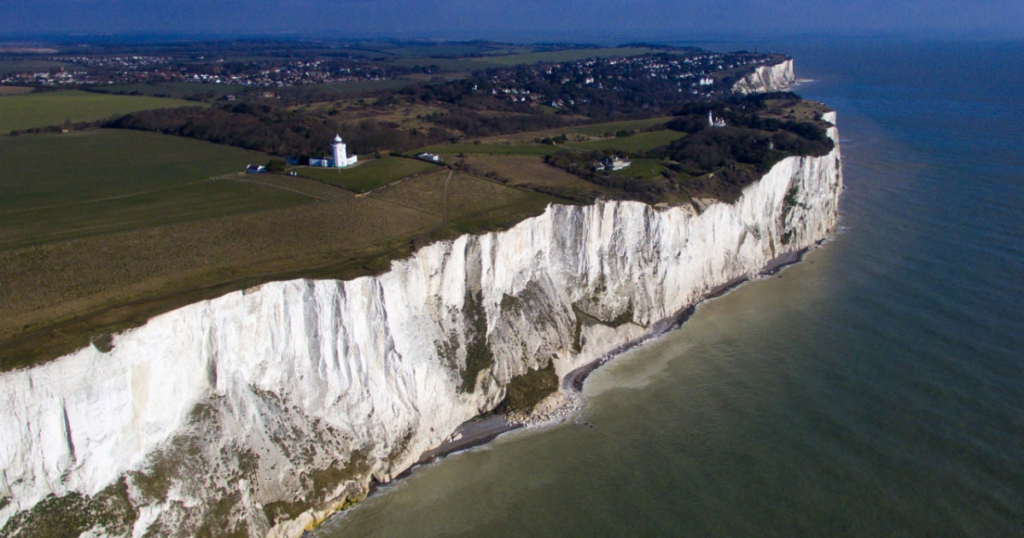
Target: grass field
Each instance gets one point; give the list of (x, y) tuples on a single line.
[(176, 90), (338, 90), (566, 55), (531, 172), (601, 129), (29, 65), (64, 186), (491, 149), (637, 142), (54, 108), (450, 64), (14, 90), (370, 174), (474, 204), (585, 132), (441, 49), (58, 295), (645, 168)]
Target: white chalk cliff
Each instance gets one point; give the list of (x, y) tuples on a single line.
[(767, 78), (252, 413)]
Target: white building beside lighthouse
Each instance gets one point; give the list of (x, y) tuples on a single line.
[(340, 155)]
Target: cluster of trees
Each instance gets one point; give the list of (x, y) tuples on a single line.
[(627, 88), (270, 129), (582, 164), (475, 124), (756, 135), (715, 161)]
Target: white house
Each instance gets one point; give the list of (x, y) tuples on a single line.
[(613, 163), (321, 163), (429, 157), (715, 122)]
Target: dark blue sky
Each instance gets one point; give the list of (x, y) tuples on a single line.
[(513, 19)]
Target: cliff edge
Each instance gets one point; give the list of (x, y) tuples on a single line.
[(260, 412), (767, 78)]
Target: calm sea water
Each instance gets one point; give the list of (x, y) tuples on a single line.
[(877, 389)]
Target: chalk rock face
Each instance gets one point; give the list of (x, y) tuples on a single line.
[(767, 78), (260, 412)]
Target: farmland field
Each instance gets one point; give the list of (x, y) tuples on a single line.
[(578, 133), (63, 186), (491, 149), (645, 168), (14, 90), (474, 204), (176, 90), (339, 90), (29, 65), (637, 142), (601, 129), (531, 172), (370, 174), (54, 108), (449, 64), (566, 55), (441, 49)]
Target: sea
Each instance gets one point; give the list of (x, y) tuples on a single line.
[(875, 389)]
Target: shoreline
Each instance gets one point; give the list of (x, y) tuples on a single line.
[(482, 430), (577, 377)]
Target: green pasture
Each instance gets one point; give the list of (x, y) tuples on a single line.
[(449, 64), (645, 168), (441, 49), (601, 129), (491, 149), (29, 65), (63, 186), (506, 50), (55, 108), (370, 174), (567, 55), (174, 90), (338, 90), (630, 144)]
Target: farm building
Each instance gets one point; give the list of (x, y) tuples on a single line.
[(612, 164), (429, 157)]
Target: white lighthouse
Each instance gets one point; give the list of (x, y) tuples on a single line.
[(341, 158)]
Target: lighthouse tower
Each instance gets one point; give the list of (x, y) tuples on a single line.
[(341, 157)]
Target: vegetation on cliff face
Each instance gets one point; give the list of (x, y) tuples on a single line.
[(478, 353), (525, 391)]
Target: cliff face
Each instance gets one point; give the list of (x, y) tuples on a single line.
[(767, 78), (249, 414)]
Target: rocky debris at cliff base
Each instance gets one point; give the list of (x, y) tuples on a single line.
[(551, 410)]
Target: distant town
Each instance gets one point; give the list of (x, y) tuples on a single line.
[(100, 70), (242, 66)]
